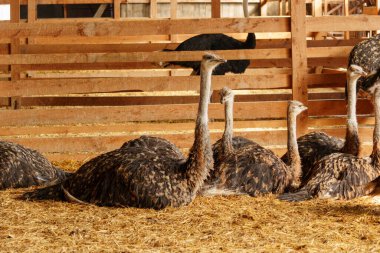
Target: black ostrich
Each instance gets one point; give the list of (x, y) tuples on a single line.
[(207, 42)]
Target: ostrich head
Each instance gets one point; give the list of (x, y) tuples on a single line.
[(211, 61), (226, 94), (355, 71), (296, 107)]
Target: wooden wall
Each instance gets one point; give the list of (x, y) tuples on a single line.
[(76, 88)]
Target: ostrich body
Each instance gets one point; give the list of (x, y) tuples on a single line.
[(22, 167), (209, 42), (366, 54), (140, 175), (254, 170), (344, 176), (316, 145), (227, 143)]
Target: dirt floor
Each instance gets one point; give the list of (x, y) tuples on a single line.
[(229, 224)]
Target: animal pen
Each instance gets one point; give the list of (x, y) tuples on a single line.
[(75, 88), (81, 87)]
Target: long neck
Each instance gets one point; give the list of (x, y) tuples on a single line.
[(352, 143), (200, 160), (293, 154), (376, 131), (228, 129)]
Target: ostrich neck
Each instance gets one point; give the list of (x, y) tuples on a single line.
[(376, 131), (293, 154), (200, 160), (228, 130), (352, 142)]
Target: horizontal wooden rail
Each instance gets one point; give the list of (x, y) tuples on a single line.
[(30, 87), (118, 114), (110, 27), (327, 52)]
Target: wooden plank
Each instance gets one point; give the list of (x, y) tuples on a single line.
[(215, 8), (317, 8), (116, 9), (181, 140), (134, 128), (99, 12), (153, 9), (314, 46), (118, 114), (109, 27), (278, 53), (341, 23), (177, 83), (141, 56), (32, 87), (15, 11), (32, 11), (299, 60)]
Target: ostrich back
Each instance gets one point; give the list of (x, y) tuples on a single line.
[(312, 148), (366, 54), (156, 144), (207, 42), (338, 176), (253, 170), (24, 167), (238, 142)]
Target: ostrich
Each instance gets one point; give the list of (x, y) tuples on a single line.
[(227, 143), (254, 170), (344, 176), (22, 167), (366, 54), (207, 42), (138, 175), (315, 145)]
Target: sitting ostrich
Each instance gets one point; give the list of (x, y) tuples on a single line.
[(344, 176), (366, 54), (315, 145), (21, 167), (207, 42), (227, 143), (254, 170), (144, 176)]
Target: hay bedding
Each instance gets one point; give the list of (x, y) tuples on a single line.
[(236, 223)]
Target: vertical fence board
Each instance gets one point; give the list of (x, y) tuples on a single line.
[(299, 58)]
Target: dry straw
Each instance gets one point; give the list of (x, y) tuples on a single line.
[(228, 224)]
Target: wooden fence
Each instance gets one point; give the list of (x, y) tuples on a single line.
[(76, 88)]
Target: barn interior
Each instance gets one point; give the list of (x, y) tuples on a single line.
[(81, 77)]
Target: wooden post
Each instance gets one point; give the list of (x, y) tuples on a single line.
[(15, 49), (153, 9), (215, 8), (317, 8), (346, 13), (299, 59), (15, 10), (32, 15), (173, 15), (116, 9)]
